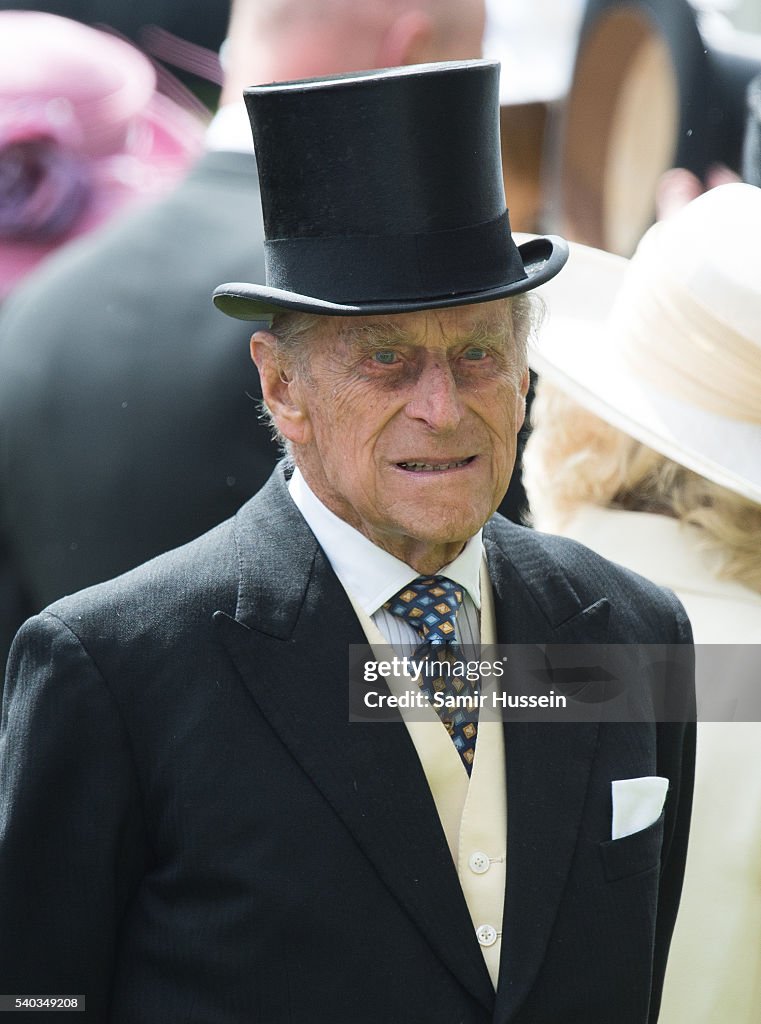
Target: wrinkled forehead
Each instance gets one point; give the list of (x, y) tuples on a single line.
[(435, 328)]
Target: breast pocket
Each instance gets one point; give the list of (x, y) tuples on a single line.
[(633, 854)]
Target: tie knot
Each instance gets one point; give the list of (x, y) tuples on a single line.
[(430, 605)]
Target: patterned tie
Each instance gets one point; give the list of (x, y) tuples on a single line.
[(430, 605)]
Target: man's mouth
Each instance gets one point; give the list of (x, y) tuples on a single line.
[(434, 467)]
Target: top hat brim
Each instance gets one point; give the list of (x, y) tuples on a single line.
[(542, 259)]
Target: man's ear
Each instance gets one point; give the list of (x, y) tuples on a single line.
[(280, 392), (408, 40), (520, 405)]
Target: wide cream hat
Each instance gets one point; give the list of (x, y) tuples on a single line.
[(666, 346)]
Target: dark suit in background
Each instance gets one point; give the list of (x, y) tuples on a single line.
[(128, 417), (194, 832), (203, 24)]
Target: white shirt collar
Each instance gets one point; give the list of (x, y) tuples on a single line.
[(229, 130), (370, 574)]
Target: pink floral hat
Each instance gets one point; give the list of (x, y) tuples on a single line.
[(83, 134)]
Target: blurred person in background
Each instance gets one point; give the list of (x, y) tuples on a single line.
[(200, 24), (83, 136), (128, 419), (678, 186), (646, 446)]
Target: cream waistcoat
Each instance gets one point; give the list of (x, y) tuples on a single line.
[(473, 812)]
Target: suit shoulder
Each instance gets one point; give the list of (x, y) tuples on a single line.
[(176, 592)]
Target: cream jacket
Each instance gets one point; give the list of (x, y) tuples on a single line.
[(714, 971)]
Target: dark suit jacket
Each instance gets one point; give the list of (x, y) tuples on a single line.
[(128, 418), (193, 831)]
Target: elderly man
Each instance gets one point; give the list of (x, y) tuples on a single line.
[(192, 829)]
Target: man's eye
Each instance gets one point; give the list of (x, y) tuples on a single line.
[(385, 356), (475, 353)]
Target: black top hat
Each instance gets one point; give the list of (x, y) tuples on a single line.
[(382, 193)]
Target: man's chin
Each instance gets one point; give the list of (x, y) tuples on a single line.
[(432, 531)]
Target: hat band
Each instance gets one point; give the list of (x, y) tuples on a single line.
[(666, 337), (372, 268)]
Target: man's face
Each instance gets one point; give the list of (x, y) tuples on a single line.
[(405, 426)]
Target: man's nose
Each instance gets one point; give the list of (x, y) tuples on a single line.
[(435, 398)]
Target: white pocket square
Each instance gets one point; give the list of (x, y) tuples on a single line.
[(637, 803)]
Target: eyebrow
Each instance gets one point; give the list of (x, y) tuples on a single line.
[(368, 335), (489, 331)]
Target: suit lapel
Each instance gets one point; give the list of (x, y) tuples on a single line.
[(547, 765), (290, 643)]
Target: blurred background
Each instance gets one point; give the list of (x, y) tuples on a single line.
[(600, 97)]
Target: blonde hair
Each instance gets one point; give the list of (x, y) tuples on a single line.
[(573, 458)]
